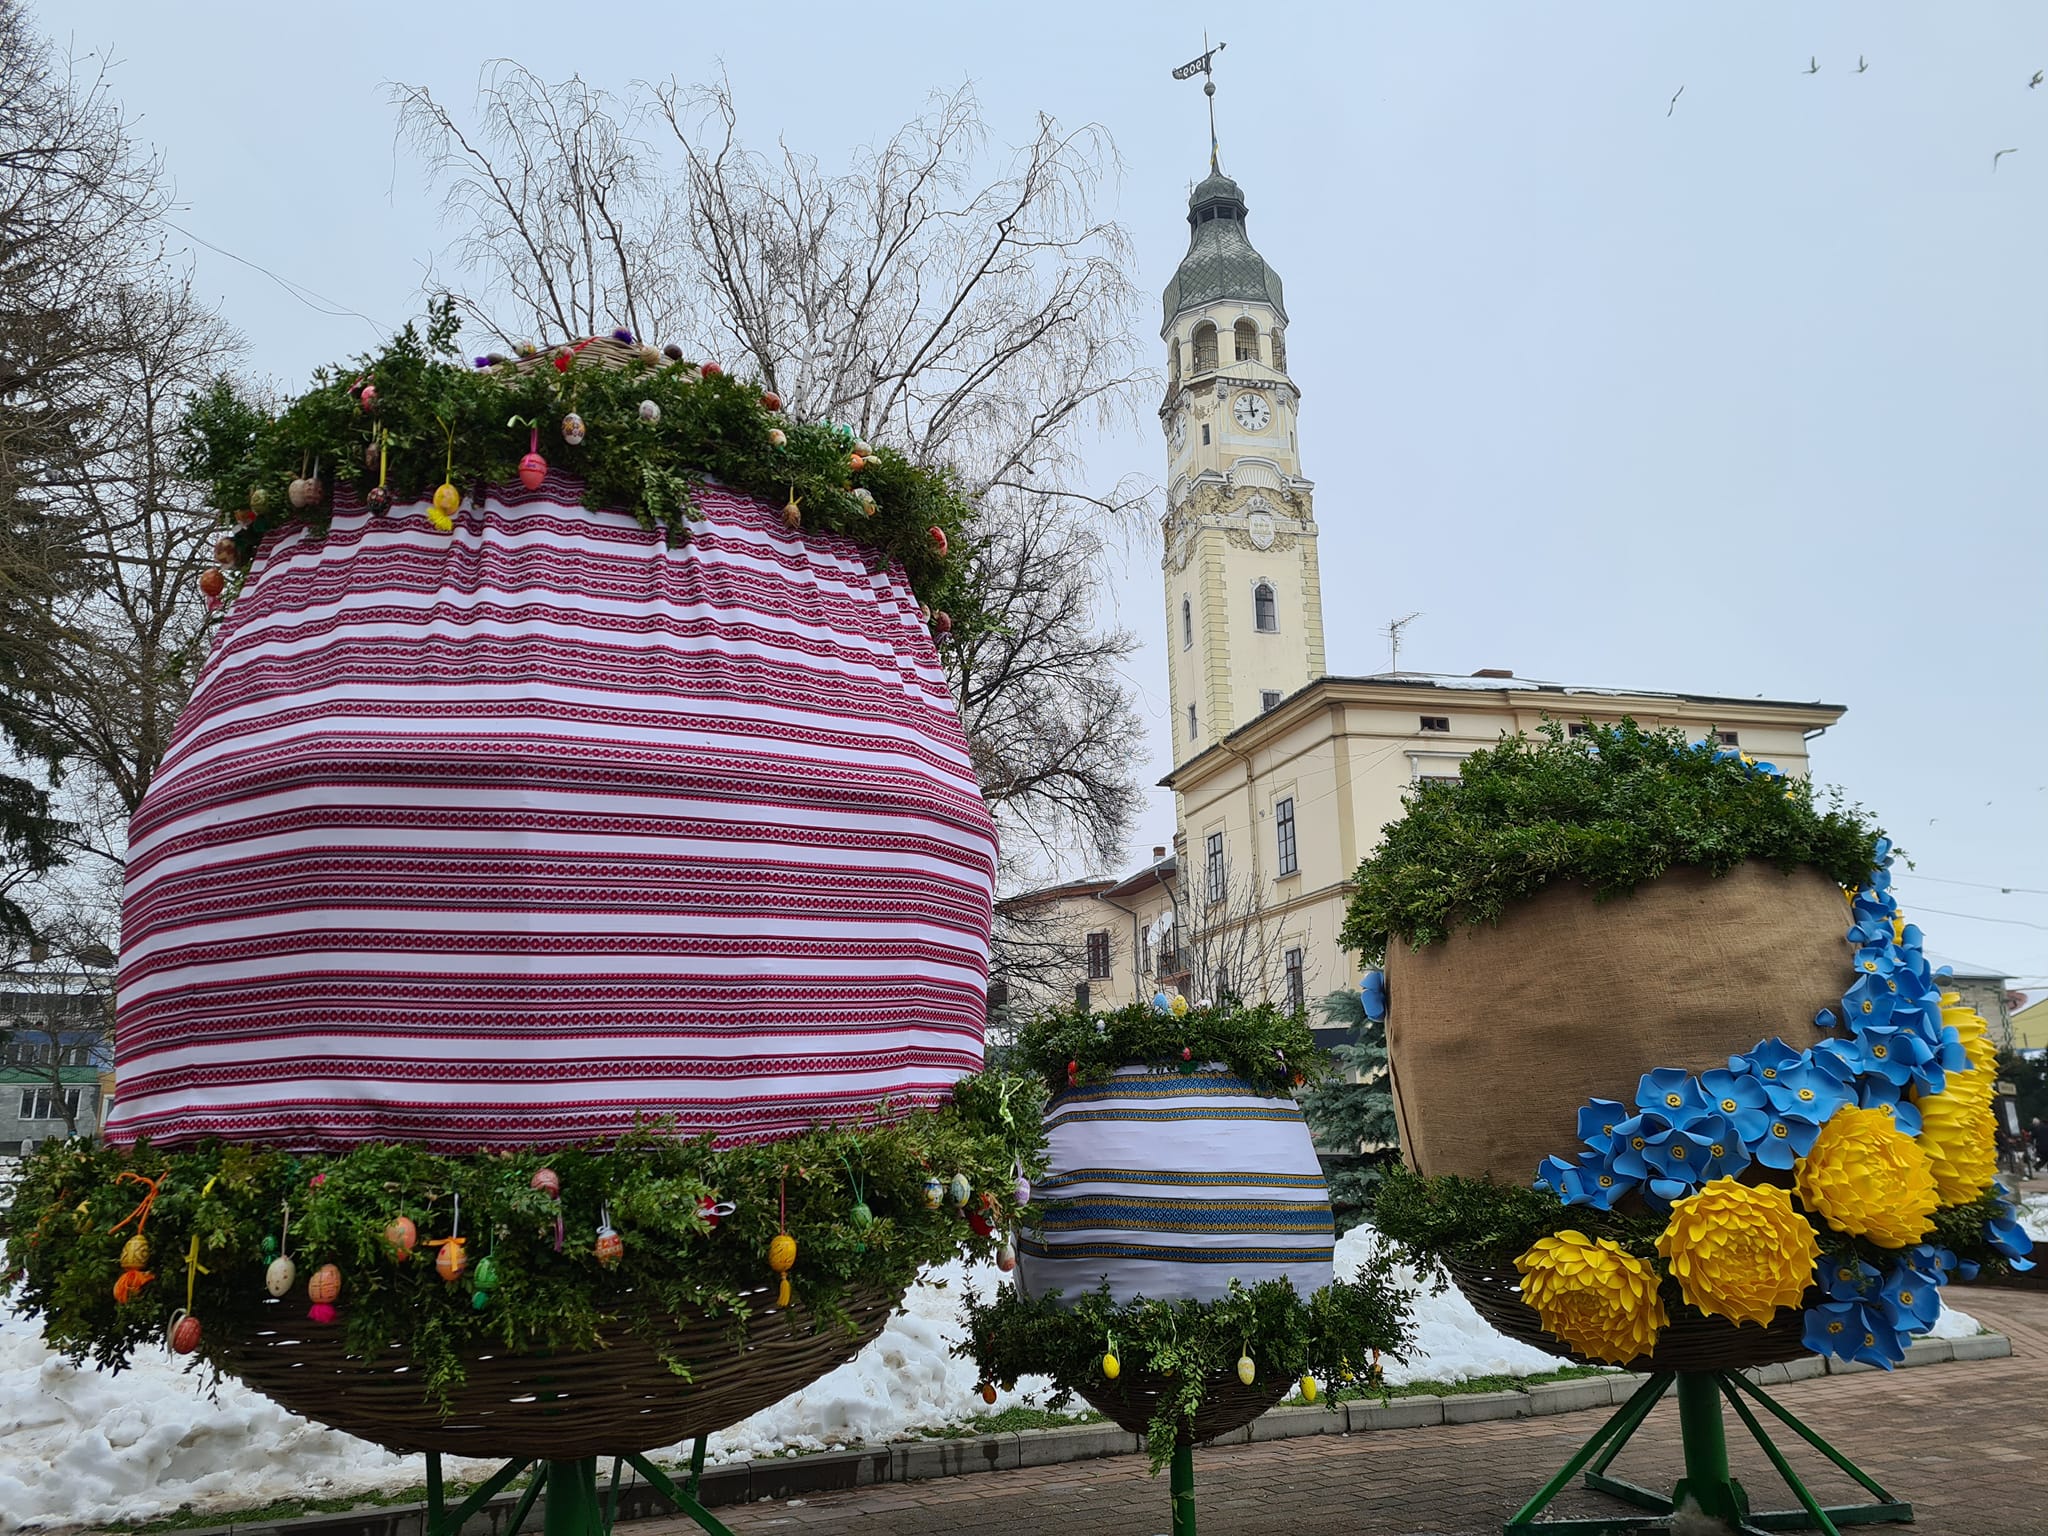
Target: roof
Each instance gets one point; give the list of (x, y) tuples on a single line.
[(1159, 872), (1094, 887), (1424, 683), (1220, 263)]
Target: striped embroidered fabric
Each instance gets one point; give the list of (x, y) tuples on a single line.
[(517, 835), (1170, 1186)]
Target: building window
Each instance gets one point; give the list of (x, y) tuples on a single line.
[(1728, 738), (1191, 722), (1283, 822), (1205, 434), (1205, 348), (1279, 349), (1269, 699), (1578, 728), (1081, 995), (1218, 886), (1265, 612), (1247, 337), (1187, 623), (43, 1104), (1173, 364), (1436, 722), (1098, 955), (1297, 982)]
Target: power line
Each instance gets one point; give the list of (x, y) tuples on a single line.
[(2005, 890), (306, 296), (2013, 922)]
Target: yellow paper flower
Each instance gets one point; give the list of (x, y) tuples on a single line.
[(1960, 1138), (1739, 1250), (1598, 1299), (1868, 1178)]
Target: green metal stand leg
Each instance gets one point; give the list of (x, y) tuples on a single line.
[(1182, 1481), (1610, 1436), (572, 1506), (442, 1521), (696, 1466), (684, 1499)]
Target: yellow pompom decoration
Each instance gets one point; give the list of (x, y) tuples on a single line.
[(1866, 1177), (1597, 1298), (1739, 1251)]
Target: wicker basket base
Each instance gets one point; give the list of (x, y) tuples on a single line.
[(604, 1402), (1227, 1404), (1688, 1343)]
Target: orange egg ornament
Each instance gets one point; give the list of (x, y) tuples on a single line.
[(324, 1285), (400, 1238), (453, 1258), (610, 1246)]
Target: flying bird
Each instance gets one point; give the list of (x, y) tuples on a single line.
[(2001, 155), (1861, 66), (2039, 74), (1812, 66), (1674, 101)]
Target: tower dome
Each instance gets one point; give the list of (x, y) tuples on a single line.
[(1220, 263)]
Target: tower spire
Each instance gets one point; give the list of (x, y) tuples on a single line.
[(1205, 66)]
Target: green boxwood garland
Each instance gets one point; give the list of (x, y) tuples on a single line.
[(1271, 1049), (1333, 1335), (63, 1257), (711, 424), (1611, 809)]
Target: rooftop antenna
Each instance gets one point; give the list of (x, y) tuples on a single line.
[(1394, 640), (1203, 67)]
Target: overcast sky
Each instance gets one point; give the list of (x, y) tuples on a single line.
[(1743, 396)]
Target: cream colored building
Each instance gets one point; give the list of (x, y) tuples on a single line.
[(1283, 776)]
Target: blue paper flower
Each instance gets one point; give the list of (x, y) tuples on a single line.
[(1680, 1153), (1889, 1053), (1838, 1058), (1785, 1140), (1869, 1001), (1826, 1019), (1740, 1098), (2009, 1238), (1672, 1093), (1875, 1093), (1597, 1122), (1551, 1174), (1877, 959), (1805, 1089), (1911, 1300), (1853, 1330), (1849, 1279), (1632, 1142), (1765, 1060), (1372, 992), (1592, 1181), (1881, 855), (1727, 1153)]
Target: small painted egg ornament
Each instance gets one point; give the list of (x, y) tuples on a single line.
[(672, 352), (572, 430), (185, 1334), (610, 1246), (130, 1285), (1110, 1369), (447, 499), (1023, 1190), (942, 622), (988, 1392), (855, 463), (548, 1182), (960, 1190), (980, 1224), (368, 398), (259, 499), (863, 449), (245, 516), (649, 355), (861, 1217), (480, 1300), (1308, 1389), (282, 1275), (321, 1312), (400, 1238), (1246, 1371), (226, 552), (1006, 1258), (135, 1252), (713, 1210), (378, 499), (782, 1259), (777, 437), (650, 412), (304, 492), (939, 541), (486, 1275), (866, 498), (711, 370), (771, 401), (212, 583), (934, 1191), (325, 1285), (532, 470), (453, 1258)]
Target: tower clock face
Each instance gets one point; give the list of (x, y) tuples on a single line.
[(1252, 412)]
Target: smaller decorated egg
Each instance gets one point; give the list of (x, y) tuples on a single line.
[(649, 412), (942, 622), (225, 552), (486, 1275), (282, 1275), (1308, 1389), (370, 456), (1246, 1371), (185, 1334), (861, 1217), (672, 352), (259, 499), (304, 492), (771, 401), (532, 470), (212, 583), (650, 355), (447, 499), (988, 1391), (711, 370), (1110, 1369), (1023, 1190), (959, 1190), (777, 437), (548, 1182), (480, 1300), (453, 1258), (610, 1246), (782, 1253), (572, 429), (712, 1209), (245, 516), (325, 1284), (938, 538), (378, 499), (400, 1237), (368, 398), (1006, 1258), (862, 449), (934, 1191), (135, 1252)]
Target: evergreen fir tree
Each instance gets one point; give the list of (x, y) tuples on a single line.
[(1345, 1116)]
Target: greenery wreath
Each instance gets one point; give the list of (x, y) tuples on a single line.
[(1269, 1048), (527, 1251), (417, 421)]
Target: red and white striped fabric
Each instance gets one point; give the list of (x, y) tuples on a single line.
[(515, 835)]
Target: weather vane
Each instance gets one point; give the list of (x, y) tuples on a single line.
[(1205, 66)]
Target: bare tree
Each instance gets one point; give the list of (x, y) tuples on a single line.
[(1227, 944), (981, 322)]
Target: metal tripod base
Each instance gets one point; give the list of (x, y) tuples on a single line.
[(1707, 1484), (573, 1507)]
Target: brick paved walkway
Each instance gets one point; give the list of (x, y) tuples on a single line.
[(1966, 1443)]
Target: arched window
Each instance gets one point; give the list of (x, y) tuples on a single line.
[(1205, 348), (1279, 349), (1265, 613), (1247, 341), (1187, 623), (1173, 364)]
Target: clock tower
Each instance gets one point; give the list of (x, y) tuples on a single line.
[(1244, 604)]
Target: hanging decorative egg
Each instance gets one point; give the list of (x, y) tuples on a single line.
[(1246, 1371), (861, 1217), (1023, 1190), (863, 449), (771, 401), (378, 499), (527, 349), (1006, 1257), (649, 412), (368, 398), (321, 1312), (793, 515), (855, 463), (245, 516), (282, 1275), (486, 1276), (324, 1286), (480, 1300), (712, 1209), (130, 1285), (572, 430), (135, 1252), (988, 1391), (980, 1224), (1110, 1369), (610, 1246), (259, 499), (781, 1259), (650, 356), (934, 1191), (532, 470), (185, 1334), (226, 552), (939, 543), (453, 1258), (711, 370), (1308, 1389), (942, 622), (960, 1190), (777, 437), (400, 1237), (447, 499), (212, 583), (304, 492), (548, 1182), (672, 352), (370, 456), (866, 498)]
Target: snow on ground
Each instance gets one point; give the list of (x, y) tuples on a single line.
[(79, 1446), (2033, 1217)]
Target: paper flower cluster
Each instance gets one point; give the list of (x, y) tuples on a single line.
[(1598, 1298), (1876, 1126)]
